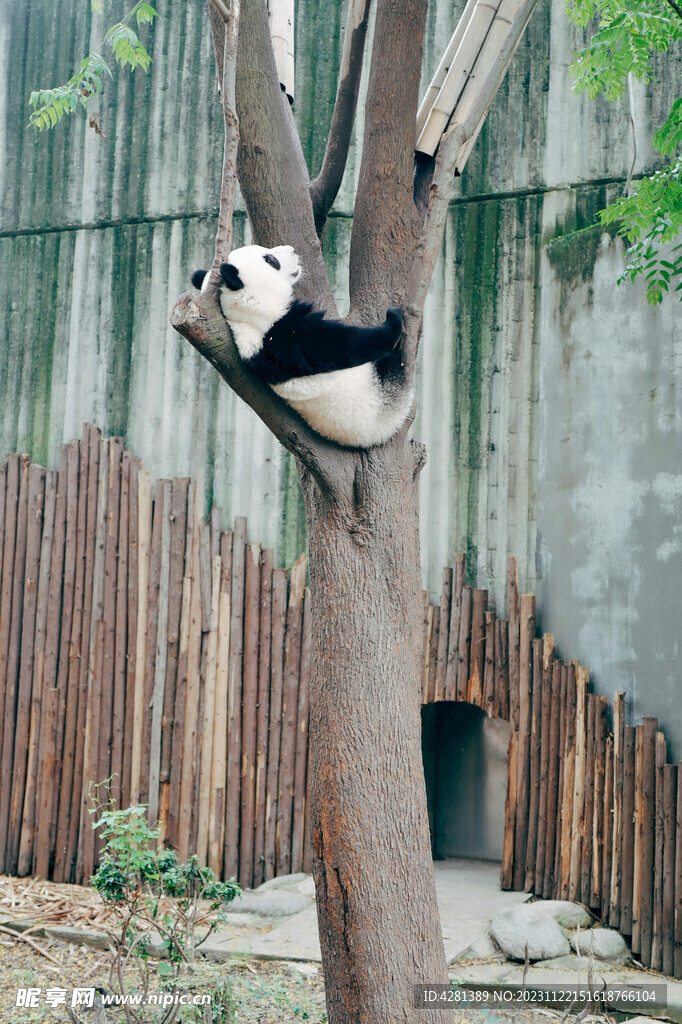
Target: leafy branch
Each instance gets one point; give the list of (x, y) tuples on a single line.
[(628, 35), (51, 105)]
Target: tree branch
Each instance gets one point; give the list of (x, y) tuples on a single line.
[(200, 320), (227, 75), (324, 189), (272, 170), (386, 222)]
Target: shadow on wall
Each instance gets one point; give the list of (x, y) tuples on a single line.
[(465, 764)]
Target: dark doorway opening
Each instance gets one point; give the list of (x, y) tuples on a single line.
[(465, 765)]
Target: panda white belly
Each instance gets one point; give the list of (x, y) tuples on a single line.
[(348, 406)]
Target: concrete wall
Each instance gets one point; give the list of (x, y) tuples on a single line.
[(549, 398)]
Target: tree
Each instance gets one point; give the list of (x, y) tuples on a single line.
[(379, 923), (627, 36)]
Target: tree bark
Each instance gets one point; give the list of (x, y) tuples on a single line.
[(378, 917)]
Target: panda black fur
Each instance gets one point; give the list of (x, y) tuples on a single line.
[(346, 381)]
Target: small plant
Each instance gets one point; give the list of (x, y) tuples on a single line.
[(50, 105), (164, 906)]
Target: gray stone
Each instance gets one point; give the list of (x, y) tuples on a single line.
[(605, 943), (271, 903), (567, 914), (282, 881), (306, 886), (482, 949), (526, 925), (570, 962)]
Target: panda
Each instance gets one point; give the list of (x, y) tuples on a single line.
[(347, 382)]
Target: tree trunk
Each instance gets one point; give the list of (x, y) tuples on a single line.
[(377, 908)]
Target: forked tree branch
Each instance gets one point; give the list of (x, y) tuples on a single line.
[(385, 222), (325, 188), (272, 170), (200, 321)]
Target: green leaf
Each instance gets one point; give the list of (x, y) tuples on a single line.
[(165, 969)]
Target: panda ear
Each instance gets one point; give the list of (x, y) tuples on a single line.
[(198, 278), (230, 276)]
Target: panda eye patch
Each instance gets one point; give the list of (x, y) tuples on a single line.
[(272, 260)]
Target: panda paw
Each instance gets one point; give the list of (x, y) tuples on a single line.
[(395, 322)]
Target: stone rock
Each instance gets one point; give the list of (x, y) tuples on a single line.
[(283, 881), (271, 903), (567, 914), (526, 924), (605, 943), (482, 949), (306, 886)]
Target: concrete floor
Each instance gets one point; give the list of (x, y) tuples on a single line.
[(468, 893)]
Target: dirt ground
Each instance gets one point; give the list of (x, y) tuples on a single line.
[(38, 974), (262, 992)]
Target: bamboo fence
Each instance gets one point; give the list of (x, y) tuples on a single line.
[(142, 643)]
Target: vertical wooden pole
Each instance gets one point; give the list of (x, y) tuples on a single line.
[(433, 655), (211, 711), (37, 728), (464, 645), (69, 669), (158, 650), (147, 774), (501, 703), (607, 836), (234, 710), (507, 870), (279, 611), (677, 924), (292, 660), (178, 534), (564, 874), (131, 637), (144, 533), (187, 816), (545, 698), (452, 628), (178, 732), (668, 918), (535, 727), (586, 831), (552, 781), (25, 638), (16, 609), (628, 838), (264, 662), (598, 803), (581, 683), (661, 756), (216, 834), (301, 753), (249, 713), (445, 609), (647, 826), (514, 633), (489, 672), (617, 828), (426, 694), (477, 661), (120, 668)]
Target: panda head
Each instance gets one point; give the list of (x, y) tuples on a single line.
[(258, 285)]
